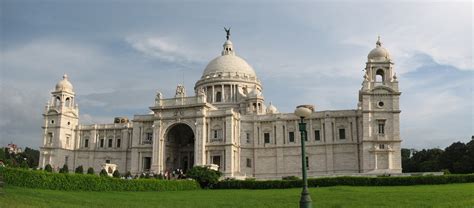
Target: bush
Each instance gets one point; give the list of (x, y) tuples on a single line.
[(205, 176), (90, 171), (64, 169), (48, 168), (290, 178), (128, 174), (24, 165), (82, 182), (79, 170), (116, 174), (103, 173), (347, 181)]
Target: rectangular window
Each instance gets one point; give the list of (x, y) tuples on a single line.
[(86, 143), (249, 163), (216, 160), (110, 142), (342, 133), (146, 163), (216, 134), (248, 138), (148, 138), (291, 136), (119, 141), (67, 141), (317, 135), (107, 161), (266, 137), (50, 137), (381, 127), (101, 143), (66, 160)]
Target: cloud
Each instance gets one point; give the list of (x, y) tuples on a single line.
[(165, 49)]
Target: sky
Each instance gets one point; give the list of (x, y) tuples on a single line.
[(117, 54)]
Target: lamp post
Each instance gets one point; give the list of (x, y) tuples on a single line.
[(304, 111)]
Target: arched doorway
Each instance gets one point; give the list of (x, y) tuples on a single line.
[(179, 143)]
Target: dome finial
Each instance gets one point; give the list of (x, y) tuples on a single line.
[(65, 76), (228, 48), (228, 33), (378, 43)]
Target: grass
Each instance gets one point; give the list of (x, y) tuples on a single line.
[(451, 195)]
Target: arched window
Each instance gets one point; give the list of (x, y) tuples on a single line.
[(68, 102), (218, 96), (57, 101), (379, 76)]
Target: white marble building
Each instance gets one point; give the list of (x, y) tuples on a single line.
[(227, 122)]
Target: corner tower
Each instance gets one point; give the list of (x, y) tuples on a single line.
[(61, 117), (379, 105)]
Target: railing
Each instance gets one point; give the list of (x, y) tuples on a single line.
[(177, 101)]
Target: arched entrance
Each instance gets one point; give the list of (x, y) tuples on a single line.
[(179, 146)]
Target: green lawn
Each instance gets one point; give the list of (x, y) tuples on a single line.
[(452, 195)]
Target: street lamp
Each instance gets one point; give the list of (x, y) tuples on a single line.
[(304, 111)]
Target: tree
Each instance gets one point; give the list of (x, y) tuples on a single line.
[(116, 174), (32, 157), (79, 170), (90, 171), (65, 169), (205, 176), (103, 173), (2, 154), (456, 159), (48, 168)]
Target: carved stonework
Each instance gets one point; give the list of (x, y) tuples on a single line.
[(180, 91)]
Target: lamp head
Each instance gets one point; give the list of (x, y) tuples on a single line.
[(304, 111)]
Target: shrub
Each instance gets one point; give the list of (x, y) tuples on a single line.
[(79, 170), (82, 182), (64, 169), (90, 171), (159, 176), (128, 174), (116, 174), (347, 181), (48, 168), (205, 176), (103, 173), (24, 164), (290, 178)]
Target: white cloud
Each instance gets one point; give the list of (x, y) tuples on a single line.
[(166, 49)]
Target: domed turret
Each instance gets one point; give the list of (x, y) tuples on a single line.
[(379, 53), (271, 109), (64, 85)]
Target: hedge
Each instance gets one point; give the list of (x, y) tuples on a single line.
[(346, 181), (81, 182)]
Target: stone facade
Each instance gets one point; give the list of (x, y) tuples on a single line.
[(227, 123)]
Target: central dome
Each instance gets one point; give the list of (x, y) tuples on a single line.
[(228, 64)]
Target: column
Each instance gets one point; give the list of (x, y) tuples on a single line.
[(155, 158), (199, 143), (213, 95), (222, 94)]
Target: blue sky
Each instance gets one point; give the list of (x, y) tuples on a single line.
[(118, 53)]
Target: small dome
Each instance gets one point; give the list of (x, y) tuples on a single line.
[(229, 64), (379, 53), (271, 109), (64, 85)]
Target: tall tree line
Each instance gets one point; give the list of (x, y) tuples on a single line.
[(456, 158)]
